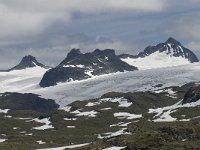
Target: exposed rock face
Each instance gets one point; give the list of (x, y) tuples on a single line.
[(78, 66), (170, 133), (192, 95), (62, 74), (28, 62), (32, 102)]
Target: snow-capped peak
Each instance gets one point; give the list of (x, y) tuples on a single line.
[(170, 53)]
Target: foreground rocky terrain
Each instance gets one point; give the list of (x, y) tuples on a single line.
[(167, 118)]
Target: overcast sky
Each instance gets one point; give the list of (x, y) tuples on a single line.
[(48, 29)]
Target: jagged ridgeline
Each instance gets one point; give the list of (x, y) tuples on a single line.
[(171, 47), (79, 66)]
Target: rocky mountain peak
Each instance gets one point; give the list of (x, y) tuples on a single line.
[(104, 52), (27, 62), (171, 40), (79, 66), (74, 53), (70, 56), (170, 48), (29, 59)]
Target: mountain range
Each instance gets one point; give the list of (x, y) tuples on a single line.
[(80, 66), (100, 100)]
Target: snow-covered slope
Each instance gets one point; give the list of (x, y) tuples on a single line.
[(25, 75), (156, 60), (164, 114), (65, 93), (20, 80), (168, 54)]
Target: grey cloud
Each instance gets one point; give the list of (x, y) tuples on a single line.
[(185, 27), (53, 50)]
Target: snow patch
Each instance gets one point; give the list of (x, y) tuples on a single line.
[(29, 134), (43, 121), (114, 148), (122, 115), (87, 113), (90, 104), (71, 127), (41, 142), (121, 124), (106, 108), (20, 118), (122, 101), (74, 66), (66, 108), (170, 92), (70, 119), (164, 114), (113, 134), (7, 116), (5, 111), (66, 147), (89, 72), (22, 132), (2, 140)]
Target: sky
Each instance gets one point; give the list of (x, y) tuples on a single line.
[(49, 29)]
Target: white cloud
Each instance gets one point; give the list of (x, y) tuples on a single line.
[(29, 17)]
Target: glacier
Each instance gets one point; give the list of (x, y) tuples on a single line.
[(27, 81)]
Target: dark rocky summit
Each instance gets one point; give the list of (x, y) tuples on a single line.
[(28, 62), (78, 66), (172, 47)]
